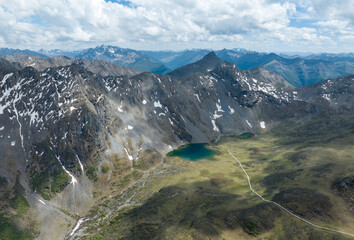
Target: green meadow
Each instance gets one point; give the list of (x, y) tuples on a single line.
[(300, 166)]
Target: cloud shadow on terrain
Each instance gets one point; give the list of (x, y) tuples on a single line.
[(202, 210)]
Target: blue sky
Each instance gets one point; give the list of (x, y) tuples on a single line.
[(122, 2), (261, 25)]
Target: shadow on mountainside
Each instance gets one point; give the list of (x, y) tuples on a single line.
[(202, 211)]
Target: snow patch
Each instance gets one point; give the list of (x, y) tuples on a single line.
[(231, 110), (248, 123), (99, 98), (144, 102), (73, 179), (13, 143), (81, 166), (215, 128), (219, 107), (157, 104), (41, 201), (81, 220), (129, 156), (327, 97), (2, 128), (2, 108), (197, 96), (262, 124), (130, 127), (64, 137), (5, 78), (216, 116)]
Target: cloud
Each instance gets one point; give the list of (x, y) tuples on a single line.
[(336, 26), (166, 23), (334, 9)]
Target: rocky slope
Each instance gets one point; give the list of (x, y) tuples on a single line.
[(59, 124)]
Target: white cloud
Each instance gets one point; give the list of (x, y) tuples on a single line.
[(334, 9), (167, 23), (336, 26), (348, 38)]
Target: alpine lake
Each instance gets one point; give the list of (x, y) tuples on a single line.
[(193, 152)]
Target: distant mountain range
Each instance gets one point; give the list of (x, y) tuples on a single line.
[(99, 67), (298, 71), (123, 57), (119, 56), (9, 51)]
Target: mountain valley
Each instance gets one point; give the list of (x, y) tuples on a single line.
[(84, 150)]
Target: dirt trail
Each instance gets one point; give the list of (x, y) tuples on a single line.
[(286, 210)]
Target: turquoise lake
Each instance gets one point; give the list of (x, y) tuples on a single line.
[(192, 152)]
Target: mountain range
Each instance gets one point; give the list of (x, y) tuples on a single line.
[(298, 71), (64, 120)]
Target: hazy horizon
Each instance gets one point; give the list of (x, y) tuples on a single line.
[(290, 53)]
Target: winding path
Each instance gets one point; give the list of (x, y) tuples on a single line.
[(286, 210)]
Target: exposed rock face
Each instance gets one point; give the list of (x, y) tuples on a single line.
[(208, 63), (339, 92), (270, 77)]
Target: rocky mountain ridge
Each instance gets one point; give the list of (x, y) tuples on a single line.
[(298, 71), (99, 67), (123, 57)]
